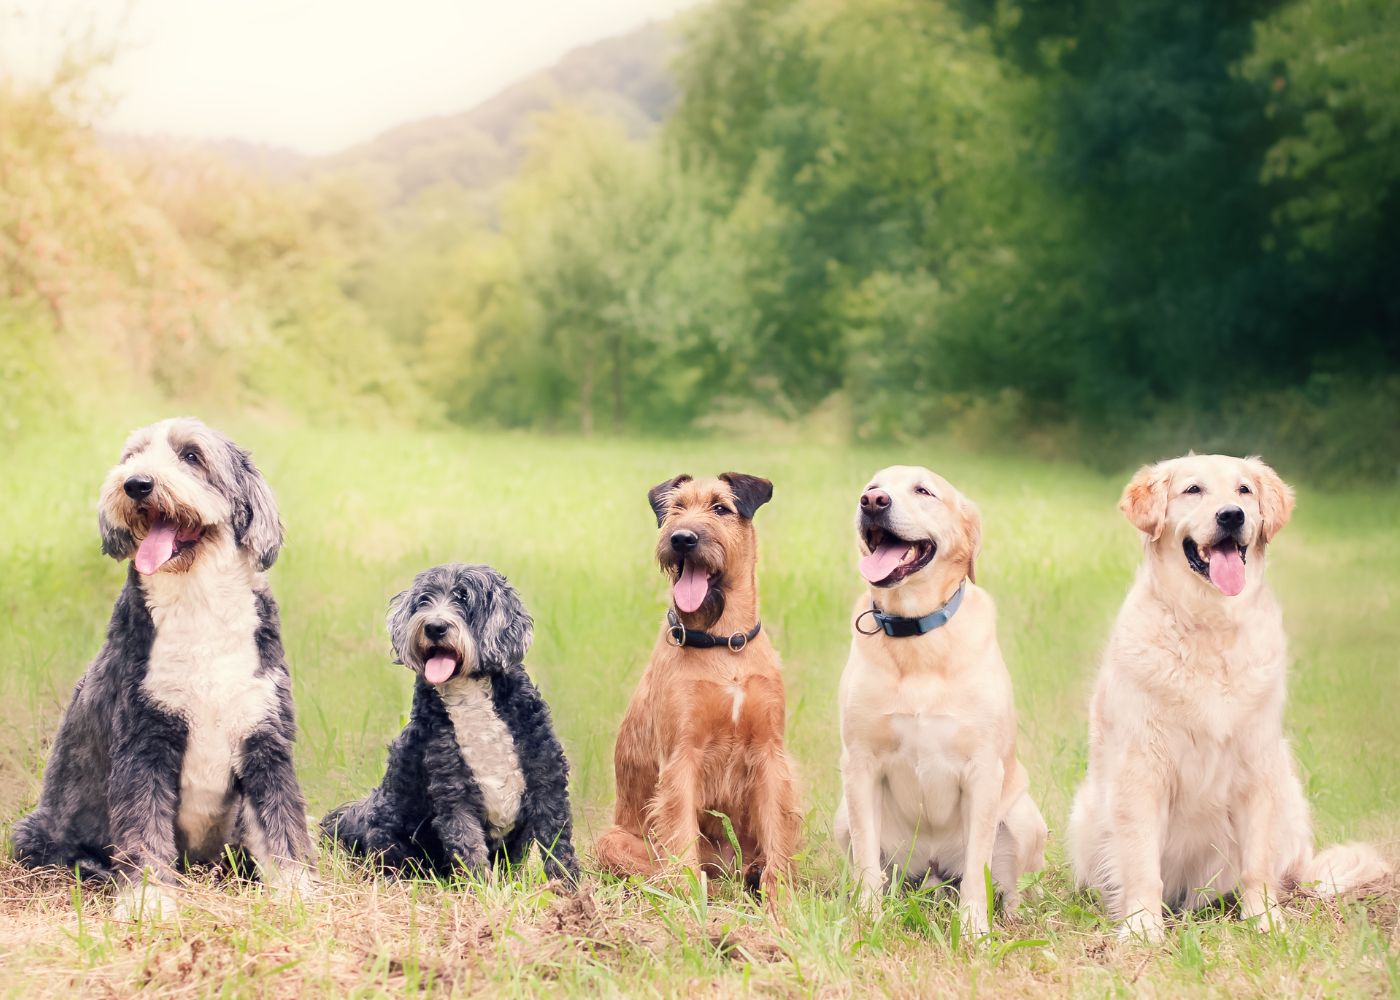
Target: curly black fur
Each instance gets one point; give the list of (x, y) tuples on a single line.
[(428, 814)]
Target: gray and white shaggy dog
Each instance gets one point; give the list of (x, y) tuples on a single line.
[(477, 775), (178, 743)]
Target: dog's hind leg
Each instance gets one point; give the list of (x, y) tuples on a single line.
[(623, 853), (1019, 848), (35, 846)]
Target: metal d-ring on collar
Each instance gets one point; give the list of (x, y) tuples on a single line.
[(678, 635), (900, 628)]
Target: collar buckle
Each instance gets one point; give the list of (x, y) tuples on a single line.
[(901, 628), (678, 635)]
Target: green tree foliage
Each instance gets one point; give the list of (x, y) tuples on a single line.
[(1143, 225), (880, 132)]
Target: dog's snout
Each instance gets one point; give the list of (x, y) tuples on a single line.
[(139, 487), (1230, 518), (436, 630), (874, 501), (683, 540)]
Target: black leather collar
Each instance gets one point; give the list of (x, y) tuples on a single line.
[(901, 628), (679, 635)]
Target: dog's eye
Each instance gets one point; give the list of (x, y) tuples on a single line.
[(423, 602), (1193, 488), (1245, 489), (720, 508), (923, 491), (190, 455)]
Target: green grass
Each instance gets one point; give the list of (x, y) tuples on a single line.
[(567, 520)]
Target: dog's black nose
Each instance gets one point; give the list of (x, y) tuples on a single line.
[(874, 500), (1229, 518), (435, 630), (139, 487), (684, 541)]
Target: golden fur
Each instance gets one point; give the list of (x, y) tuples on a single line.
[(704, 730), (931, 782), (1191, 793)]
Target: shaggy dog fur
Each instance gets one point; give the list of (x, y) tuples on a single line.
[(1191, 794), (930, 779), (178, 741), (704, 731), (477, 775)]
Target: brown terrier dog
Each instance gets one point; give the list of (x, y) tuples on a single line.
[(704, 731)]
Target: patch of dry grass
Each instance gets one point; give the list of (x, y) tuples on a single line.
[(362, 935)]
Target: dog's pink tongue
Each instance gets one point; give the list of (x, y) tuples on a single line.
[(882, 562), (691, 588), (438, 669), (157, 547), (1227, 570)]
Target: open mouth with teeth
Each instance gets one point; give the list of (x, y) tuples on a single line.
[(892, 558), (440, 665), (1222, 563), (169, 543)]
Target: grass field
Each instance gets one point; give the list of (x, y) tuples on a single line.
[(566, 519)]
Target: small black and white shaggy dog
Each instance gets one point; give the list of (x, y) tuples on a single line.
[(178, 743), (477, 775)]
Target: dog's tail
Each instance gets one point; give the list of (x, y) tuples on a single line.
[(1342, 868)]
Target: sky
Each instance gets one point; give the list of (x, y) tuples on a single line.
[(311, 75)]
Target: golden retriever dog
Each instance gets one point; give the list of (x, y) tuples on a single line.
[(703, 734), (931, 787), (1191, 794)]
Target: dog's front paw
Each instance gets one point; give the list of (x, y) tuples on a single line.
[(145, 902), (974, 918), (1143, 925), (292, 881), (1262, 912), (870, 891)]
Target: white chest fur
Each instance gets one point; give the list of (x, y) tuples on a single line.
[(488, 749), (203, 668)]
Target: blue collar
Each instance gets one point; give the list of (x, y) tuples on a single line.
[(900, 628)]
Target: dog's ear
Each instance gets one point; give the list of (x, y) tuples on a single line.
[(117, 542), (1275, 497), (257, 528), (508, 630), (400, 612), (659, 494), (972, 529), (1144, 500), (750, 492)]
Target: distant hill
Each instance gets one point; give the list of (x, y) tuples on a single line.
[(624, 77)]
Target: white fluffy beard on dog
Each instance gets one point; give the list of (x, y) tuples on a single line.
[(177, 745)]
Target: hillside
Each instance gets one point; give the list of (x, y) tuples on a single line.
[(624, 77)]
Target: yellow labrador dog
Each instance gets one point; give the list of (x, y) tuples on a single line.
[(931, 784), (1191, 793)]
